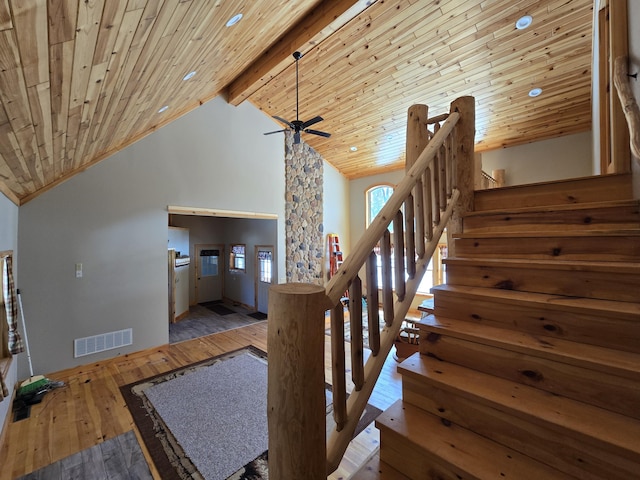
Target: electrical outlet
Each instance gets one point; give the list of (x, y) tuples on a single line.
[(78, 270)]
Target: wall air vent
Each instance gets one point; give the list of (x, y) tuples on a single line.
[(100, 343)]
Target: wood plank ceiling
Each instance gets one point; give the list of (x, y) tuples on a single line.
[(82, 79)]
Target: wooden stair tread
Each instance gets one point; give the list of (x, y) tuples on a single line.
[(624, 364), (554, 208), (376, 469), (560, 192), (574, 265), (599, 427), (459, 450), (554, 234), (627, 310)]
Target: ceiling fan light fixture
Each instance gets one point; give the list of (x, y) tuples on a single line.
[(233, 20), (297, 125), (189, 76), (524, 22), (535, 92)]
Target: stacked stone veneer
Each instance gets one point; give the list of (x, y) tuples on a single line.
[(303, 212)]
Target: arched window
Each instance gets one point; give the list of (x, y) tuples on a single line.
[(377, 196)]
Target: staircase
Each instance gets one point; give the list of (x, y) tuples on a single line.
[(529, 367)]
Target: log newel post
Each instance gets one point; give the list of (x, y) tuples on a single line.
[(296, 396), (464, 170)]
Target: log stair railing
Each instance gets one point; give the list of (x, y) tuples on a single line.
[(435, 193)]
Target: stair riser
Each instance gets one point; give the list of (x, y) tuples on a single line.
[(586, 190), (597, 388), (546, 319), (412, 462), (588, 248), (591, 284), (555, 448), (609, 218), (422, 446)]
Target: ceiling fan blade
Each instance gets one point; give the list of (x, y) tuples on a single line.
[(276, 131), (317, 132), (280, 119), (313, 121)]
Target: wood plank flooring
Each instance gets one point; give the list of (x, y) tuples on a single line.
[(90, 409), (119, 458)]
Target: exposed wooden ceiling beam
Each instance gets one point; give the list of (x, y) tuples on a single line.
[(321, 22)]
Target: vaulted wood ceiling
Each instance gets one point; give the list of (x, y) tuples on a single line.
[(82, 79)]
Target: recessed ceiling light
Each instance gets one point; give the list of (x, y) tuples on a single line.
[(534, 92), (233, 20), (353, 149), (524, 22), (164, 109), (189, 76)]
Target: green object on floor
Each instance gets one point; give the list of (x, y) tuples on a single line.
[(33, 385)]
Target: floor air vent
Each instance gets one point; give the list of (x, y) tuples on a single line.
[(100, 343)]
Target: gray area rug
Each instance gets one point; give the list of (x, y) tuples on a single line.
[(233, 390), (118, 458), (217, 431)]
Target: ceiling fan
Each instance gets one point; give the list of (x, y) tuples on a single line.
[(297, 125)]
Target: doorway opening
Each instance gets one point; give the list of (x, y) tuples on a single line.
[(228, 286)]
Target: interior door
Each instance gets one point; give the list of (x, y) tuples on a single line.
[(265, 262), (209, 271)]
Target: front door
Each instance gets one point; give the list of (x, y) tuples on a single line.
[(264, 275), (209, 272)]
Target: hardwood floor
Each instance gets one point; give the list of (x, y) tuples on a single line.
[(90, 408)]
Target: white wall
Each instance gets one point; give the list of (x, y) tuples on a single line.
[(113, 219), (9, 241), (569, 156), (335, 207)]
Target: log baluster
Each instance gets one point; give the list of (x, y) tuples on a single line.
[(442, 177), (398, 254), (387, 282), (373, 313), (410, 237), (419, 215), (338, 370), (435, 188), (428, 203), (355, 323)]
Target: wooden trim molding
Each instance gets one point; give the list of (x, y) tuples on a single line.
[(211, 212), (613, 43)]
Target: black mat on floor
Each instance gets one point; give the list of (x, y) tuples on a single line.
[(258, 315), (218, 308)]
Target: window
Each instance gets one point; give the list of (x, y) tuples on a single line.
[(265, 266), (237, 258), (209, 263), (377, 196)]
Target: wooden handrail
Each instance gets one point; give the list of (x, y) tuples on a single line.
[(436, 191), (339, 282), (629, 104), (430, 190)]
